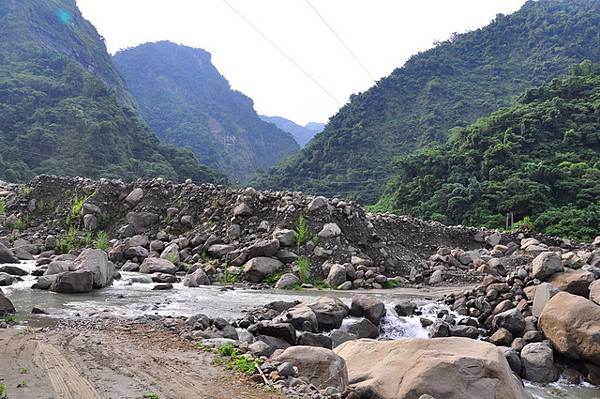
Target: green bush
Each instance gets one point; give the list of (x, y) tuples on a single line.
[(101, 241), (301, 232)]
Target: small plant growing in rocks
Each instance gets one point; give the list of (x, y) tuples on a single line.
[(301, 232), (304, 269), (22, 384), (68, 243), (2, 207), (151, 395), (23, 370), (101, 241), (2, 391)]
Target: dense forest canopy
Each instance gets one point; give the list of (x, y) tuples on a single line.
[(187, 102), (450, 85), (538, 159), (64, 108)]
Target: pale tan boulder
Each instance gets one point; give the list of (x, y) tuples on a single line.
[(449, 368), (572, 324), (576, 282)]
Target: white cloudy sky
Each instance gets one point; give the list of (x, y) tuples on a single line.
[(382, 33)]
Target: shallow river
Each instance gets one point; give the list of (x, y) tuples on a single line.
[(131, 300)]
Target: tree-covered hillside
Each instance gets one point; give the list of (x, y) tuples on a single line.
[(539, 159), (63, 107), (187, 102), (450, 85)]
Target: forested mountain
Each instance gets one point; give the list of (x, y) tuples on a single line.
[(302, 134), (64, 108), (539, 159), (187, 102), (450, 85)]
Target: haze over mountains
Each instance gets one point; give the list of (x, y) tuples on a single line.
[(302, 134), (188, 103), (450, 85)]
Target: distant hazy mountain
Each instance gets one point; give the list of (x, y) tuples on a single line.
[(449, 85), (64, 108), (302, 134), (187, 102)]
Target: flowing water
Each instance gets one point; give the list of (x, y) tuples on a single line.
[(126, 299)]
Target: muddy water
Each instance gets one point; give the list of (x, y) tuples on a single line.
[(124, 299)]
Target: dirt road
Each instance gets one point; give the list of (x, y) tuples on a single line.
[(124, 362)]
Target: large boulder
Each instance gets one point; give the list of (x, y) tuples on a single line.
[(330, 312), (321, 366), (537, 363), (96, 261), (256, 269), (543, 293), (157, 265), (6, 305), (6, 256), (142, 221), (512, 320), (572, 324), (287, 280), (595, 292), (576, 282), (336, 276), (59, 266), (362, 328), (301, 317), (263, 248), (6, 279), (196, 279), (448, 368), (367, 307), (77, 282), (13, 270), (546, 264)]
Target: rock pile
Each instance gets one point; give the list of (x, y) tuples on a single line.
[(202, 234)]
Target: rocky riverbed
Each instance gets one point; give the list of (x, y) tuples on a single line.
[(358, 297)]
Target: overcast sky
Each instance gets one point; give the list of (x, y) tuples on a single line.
[(382, 33)]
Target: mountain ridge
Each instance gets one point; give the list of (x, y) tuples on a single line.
[(452, 84), (64, 108), (185, 99)]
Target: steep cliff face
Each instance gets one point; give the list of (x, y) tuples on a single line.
[(187, 102), (64, 108)]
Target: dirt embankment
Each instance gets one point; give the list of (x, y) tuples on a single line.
[(121, 362)]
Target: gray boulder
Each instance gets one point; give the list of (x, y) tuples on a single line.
[(330, 312), (256, 269), (320, 366), (512, 320), (362, 328), (134, 196), (153, 265), (219, 250), (45, 282), (77, 282), (6, 279), (59, 266), (338, 337), (96, 261), (142, 221), (264, 248), (196, 279), (336, 276), (287, 280), (368, 307), (537, 362), (543, 293), (330, 230), (546, 264), (171, 253), (13, 270), (286, 237), (6, 255), (6, 305)]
